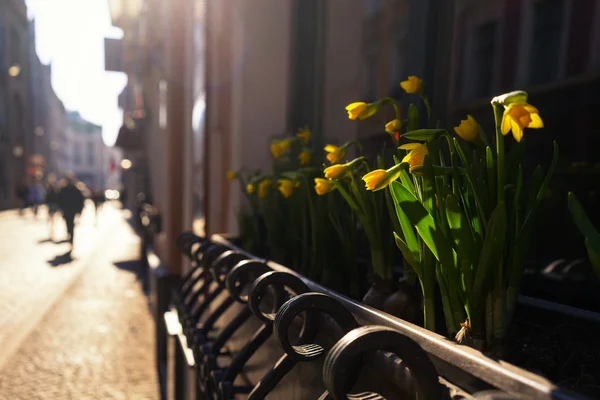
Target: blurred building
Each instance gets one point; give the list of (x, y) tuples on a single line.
[(551, 48), (86, 151), (275, 68), (148, 53), (271, 67), (15, 131), (211, 83), (48, 117), (112, 167)]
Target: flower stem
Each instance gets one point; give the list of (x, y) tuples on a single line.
[(428, 107), (391, 101), (499, 150)]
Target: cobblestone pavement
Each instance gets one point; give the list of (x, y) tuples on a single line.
[(34, 270), (96, 342)]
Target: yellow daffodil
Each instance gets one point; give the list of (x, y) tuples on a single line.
[(381, 178), (304, 135), (263, 188), (416, 156), (336, 171), (334, 153), (279, 148), (304, 157), (518, 116), (249, 188), (412, 85), (468, 129), (356, 109), (287, 186), (393, 126), (361, 110), (323, 186), (231, 175)]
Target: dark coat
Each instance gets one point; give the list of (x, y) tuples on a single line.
[(70, 200)]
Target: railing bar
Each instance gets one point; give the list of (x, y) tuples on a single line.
[(502, 375)]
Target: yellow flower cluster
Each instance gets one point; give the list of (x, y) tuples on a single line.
[(287, 186), (323, 186), (335, 154), (279, 148)]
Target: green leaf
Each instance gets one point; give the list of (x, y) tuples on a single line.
[(389, 205), (408, 230), (490, 166), (492, 249), (549, 175), (473, 186), (407, 181), (583, 222), (413, 118), (518, 189), (409, 256), (463, 240), (535, 185), (514, 157), (423, 134), (425, 225), (428, 199), (594, 256)]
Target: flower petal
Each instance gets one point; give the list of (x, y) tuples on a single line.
[(536, 121), (410, 146), (530, 109), (354, 105), (517, 131), (505, 126)]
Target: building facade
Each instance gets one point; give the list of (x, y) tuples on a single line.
[(87, 151), (272, 67), (16, 136), (47, 117)]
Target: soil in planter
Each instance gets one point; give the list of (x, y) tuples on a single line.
[(563, 349)]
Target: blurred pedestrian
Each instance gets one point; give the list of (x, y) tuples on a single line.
[(51, 201), (70, 202), (123, 198), (22, 190), (36, 196), (98, 199)]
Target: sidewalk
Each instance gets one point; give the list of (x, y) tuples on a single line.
[(33, 269), (97, 341)]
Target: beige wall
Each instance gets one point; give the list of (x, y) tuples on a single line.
[(342, 68), (240, 129)]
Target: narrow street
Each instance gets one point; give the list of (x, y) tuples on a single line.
[(73, 329)]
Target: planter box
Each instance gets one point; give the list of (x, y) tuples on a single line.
[(462, 371)]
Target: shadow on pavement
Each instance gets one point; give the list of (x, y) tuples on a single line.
[(61, 259), (131, 266), (136, 268)]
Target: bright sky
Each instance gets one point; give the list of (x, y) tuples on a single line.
[(70, 34)]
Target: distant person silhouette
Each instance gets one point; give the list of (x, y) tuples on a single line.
[(70, 202), (36, 196), (51, 201), (22, 190)]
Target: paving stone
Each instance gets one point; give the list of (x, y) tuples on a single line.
[(97, 341)]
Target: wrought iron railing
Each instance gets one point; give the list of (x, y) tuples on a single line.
[(229, 293)]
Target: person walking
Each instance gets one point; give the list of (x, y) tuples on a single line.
[(51, 201), (70, 202), (36, 196), (98, 199), (22, 195)]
